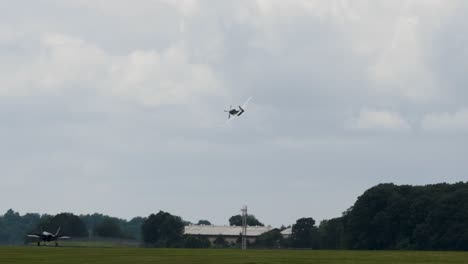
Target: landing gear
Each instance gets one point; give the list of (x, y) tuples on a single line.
[(56, 244), (38, 243)]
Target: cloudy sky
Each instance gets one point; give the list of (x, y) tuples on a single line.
[(117, 106)]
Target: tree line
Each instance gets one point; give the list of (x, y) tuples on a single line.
[(387, 216), (14, 227)]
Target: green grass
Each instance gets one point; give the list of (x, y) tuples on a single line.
[(93, 243), (51, 255)]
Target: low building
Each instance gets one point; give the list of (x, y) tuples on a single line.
[(230, 234), (287, 232)]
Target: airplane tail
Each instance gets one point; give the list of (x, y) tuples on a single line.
[(58, 230), (241, 112)]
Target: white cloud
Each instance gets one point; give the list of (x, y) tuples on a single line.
[(402, 66), (401, 69), (389, 36), (450, 122), (142, 7), (65, 63), (7, 35), (66, 59), (160, 78), (379, 120), (58, 63)]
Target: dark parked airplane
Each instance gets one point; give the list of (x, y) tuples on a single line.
[(48, 237), (237, 112)]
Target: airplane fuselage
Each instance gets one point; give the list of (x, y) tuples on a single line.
[(235, 112), (47, 237)]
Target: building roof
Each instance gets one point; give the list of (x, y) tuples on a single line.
[(287, 231), (212, 230)]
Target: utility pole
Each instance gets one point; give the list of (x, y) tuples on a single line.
[(244, 227)]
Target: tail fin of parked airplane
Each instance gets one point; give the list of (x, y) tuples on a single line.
[(58, 230)]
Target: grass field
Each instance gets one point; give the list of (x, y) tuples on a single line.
[(93, 243), (51, 255)]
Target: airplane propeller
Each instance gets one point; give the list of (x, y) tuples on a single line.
[(229, 111)]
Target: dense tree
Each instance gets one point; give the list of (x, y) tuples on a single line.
[(236, 220), (92, 221), (432, 217), (305, 234), (129, 229), (109, 227), (220, 242), (163, 230), (331, 234), (196, 242), (271, 239), (203, 222), (11, 217), (132, 228), (30, 219), (9, 225), (4, 234), (69, 224), (387, 216), (14, 227)]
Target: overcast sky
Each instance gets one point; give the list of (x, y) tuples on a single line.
[(117, 106)]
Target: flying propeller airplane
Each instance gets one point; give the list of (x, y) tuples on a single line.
[(48, 237), (237, 112)]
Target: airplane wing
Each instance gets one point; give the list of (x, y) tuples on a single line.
[(246, 102), (64, 237), (228, 122), (35, 236)]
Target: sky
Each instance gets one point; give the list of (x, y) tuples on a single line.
[(117, 107)]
